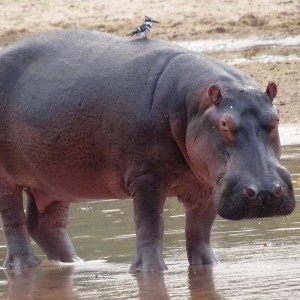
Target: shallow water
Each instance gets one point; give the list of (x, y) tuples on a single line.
[(250, 50), (240, 44), (258, 259)]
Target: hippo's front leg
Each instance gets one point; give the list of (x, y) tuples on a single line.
[(19, 249), (48, 229), (148, 198), (200, 214)]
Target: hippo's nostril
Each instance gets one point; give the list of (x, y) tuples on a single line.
[(277, 190), (250, 192)]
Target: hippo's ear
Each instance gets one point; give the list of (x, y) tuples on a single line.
[(214, 94), (271, 90)]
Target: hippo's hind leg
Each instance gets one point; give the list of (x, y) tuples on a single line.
[(148, 198), (19, 249), (200, 214), (48, 229)]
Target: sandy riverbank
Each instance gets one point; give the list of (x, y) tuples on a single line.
[(180, 20)]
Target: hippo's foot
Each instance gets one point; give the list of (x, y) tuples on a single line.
[(48, 229), (21, 261), (200, 214), (19, 250), (148, 199), (147, 263), (64, 257), (201, 255)]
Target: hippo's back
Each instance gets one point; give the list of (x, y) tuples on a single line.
[(75, 105), (78, 105), (110, 68), (77, 63)]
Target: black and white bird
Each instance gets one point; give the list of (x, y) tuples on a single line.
[(144, 28)]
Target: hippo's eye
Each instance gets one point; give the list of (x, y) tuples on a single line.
[(227, 127), (223, 124)]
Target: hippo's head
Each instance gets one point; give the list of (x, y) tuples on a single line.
[(233, 144)]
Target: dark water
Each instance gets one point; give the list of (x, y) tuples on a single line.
[(259, 259)]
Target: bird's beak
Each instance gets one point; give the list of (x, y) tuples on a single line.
[(155, 21)]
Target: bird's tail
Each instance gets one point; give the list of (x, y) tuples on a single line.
[(132, 33)]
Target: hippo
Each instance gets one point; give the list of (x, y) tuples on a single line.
[(86, 115)]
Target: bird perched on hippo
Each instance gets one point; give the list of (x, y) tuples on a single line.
[(144, 28), (86, 115)]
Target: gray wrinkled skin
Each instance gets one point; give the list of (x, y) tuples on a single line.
[(86, 115)]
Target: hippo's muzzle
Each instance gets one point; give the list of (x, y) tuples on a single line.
[(237, 198)]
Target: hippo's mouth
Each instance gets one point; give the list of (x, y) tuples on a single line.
[(220, 176), (222, 171)]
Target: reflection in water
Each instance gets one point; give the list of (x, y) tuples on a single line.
[(201, 283), (150, 284), (53, 282), (259, 259)]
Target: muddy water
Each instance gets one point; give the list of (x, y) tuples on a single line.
[(258, 259), (250, 50)]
